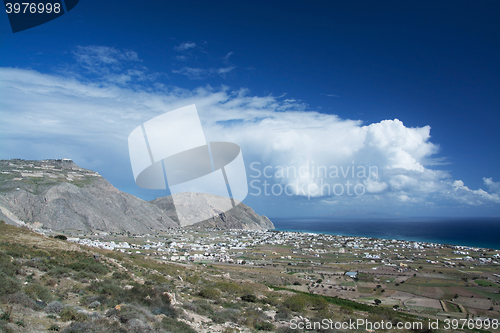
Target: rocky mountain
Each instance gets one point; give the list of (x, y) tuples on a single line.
[(63, 197), (59, 195), (239, 217)]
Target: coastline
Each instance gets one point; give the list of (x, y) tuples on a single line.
[(470, 232)]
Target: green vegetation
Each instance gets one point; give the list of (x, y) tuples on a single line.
[(485, 293), (486, 283)]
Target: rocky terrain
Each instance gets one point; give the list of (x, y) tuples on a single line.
[(59, 195), (239, 217)]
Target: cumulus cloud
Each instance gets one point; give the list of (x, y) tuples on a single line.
[(472, 197), (373, 186), (492, 186), (47, 115)]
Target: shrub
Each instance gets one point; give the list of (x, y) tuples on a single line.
[(4, 327), (7, 267), (21, 299), (9, 285), (94, 304), (319, 303), (265, 326), (59, 271), (192, 279), (283, 313), (37, 291), (249, 298), (201, 307), (118, 275), (79, 327), (232, 305), (229, 287), (210, 293), (252, 316), (172, 325), (6, 316), (286, 329), (296, 303), (226, 316), (90, 266), (106, 287), (138, 326), (346, 309), (168, 311), (152, 296), (54, 307), (129, 312), (156, 279), (190, 306), (50, 282), (273, 300), (69, 313)]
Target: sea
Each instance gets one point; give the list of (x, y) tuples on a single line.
[(473, 232)]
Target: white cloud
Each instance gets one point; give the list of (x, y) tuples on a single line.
[(373, 186), (93, 57), (224, 70), (226, 57), (185, 46), (330, 202), (52, 116), (472, 197), (203, 73), (492, 186)]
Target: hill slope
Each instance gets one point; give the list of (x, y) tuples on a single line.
[(64, 197)]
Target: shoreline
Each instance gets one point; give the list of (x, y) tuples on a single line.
[(481, 234)]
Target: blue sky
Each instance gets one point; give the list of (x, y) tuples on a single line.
[(411, 88)]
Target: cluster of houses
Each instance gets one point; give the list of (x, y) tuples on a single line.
[(172, 251), (54, 169), (229, 246)]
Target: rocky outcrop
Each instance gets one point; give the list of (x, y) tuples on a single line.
[(239, 217)]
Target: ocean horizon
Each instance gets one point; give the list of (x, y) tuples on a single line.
[(473, 232)]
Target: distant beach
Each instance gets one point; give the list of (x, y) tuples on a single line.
[(474, 232)]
